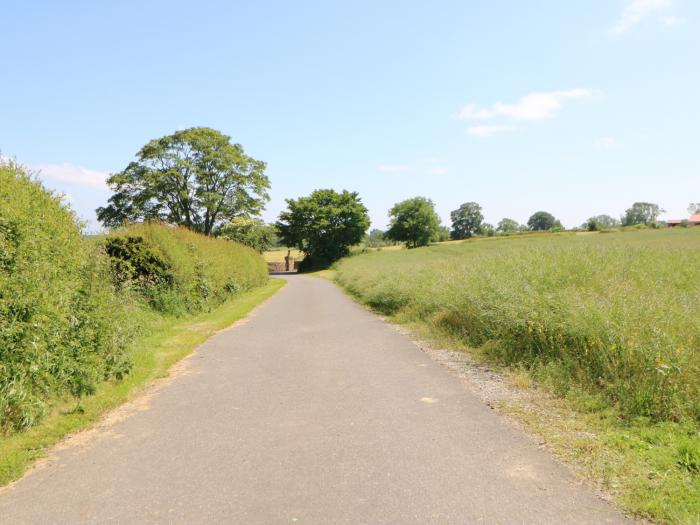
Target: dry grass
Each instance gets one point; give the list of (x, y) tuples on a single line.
[(278, 255)]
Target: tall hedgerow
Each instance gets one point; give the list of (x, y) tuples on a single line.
[(179, 271), (62, 328)]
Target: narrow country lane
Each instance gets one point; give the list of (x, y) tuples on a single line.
[(311, 411)]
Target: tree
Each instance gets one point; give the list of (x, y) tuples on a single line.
[(376, 236), (487, 230), (542, 221), (600, 222), (642, 213), (466, 220), (508, 226), (442, 234), (195, 178), (414, 222), (377, 239), (323, 225), (251, 232), (694, 207)]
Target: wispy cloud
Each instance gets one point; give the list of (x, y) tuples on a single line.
[(606, 143), (394, 168), (485, 132), (72, 174), (438, 170), (533, 106), (636, 10), (672, 21)]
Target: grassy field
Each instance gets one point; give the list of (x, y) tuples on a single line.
[(278, 255), (170, 340), (608, 323)]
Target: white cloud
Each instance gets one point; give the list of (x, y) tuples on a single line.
[(533, 106), (485, 132), (606, 143), (72, 174), (473, 111), (438, 170), (636, 10), (394, 168)]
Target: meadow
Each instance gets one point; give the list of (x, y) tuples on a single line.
[(609, 322)]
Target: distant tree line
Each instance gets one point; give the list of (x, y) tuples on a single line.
[(199, 179)]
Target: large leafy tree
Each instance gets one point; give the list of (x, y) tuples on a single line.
[(694, 207), (542, 221), (195, 178), (466, 220), (641, 213), (414, 222), (323, 225)]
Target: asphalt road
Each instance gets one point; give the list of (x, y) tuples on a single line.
[(311, 411)]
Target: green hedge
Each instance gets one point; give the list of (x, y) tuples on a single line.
[(179, 271), (62, 329)]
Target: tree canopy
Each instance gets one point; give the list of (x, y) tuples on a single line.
[(507, 225), (195, 178), (694, 207), (414, 222), (542, 221), (642, 213), (442, 234), (466, 220), (323, 225), (377, 239), (251, 232), (600, 222)]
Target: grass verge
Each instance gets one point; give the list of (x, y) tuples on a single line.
[(649, 469), (170, 340)]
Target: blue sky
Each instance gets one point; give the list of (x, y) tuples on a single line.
[(578, 108)]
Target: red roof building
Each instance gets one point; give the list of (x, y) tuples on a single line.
[(694, 220)]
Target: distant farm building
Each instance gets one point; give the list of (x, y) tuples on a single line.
[(694, 220)]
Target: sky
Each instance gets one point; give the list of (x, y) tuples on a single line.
[(578, 108)]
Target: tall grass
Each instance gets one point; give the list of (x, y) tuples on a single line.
[(616, 315)]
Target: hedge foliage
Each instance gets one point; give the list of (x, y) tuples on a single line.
[(179, 271), (62, 329)]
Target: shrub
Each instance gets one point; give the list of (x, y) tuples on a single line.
[(62, 329)]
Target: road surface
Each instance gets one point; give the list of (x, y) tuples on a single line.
[(311, 411)]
